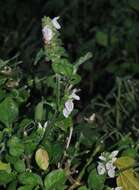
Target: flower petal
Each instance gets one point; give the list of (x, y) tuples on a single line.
[(55, 23), (101, 168), (114, 154), (111, 173), (74, 95), (118, 188), (66, 113), (47, 33), (101, 157), (69, 105)]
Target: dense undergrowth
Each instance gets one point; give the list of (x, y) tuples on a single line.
[(69, 95)]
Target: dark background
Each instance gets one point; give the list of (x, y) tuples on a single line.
[(107, 28)]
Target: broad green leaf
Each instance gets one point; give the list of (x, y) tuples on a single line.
[(8, 111), (42, 158), (96, 181), (29, 178), (102, 38), (6, 178), (64, 68), (16, 147), (55, 179), (19, 166), (127, 177), (5, 166), (134, 4)]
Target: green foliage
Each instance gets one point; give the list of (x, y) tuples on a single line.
[(40, 148), (96, 181), (55, 179)]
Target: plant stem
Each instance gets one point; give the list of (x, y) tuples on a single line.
[(81, 174)]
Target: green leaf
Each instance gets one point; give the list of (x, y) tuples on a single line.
[(8, 111), (12, 185), (25, 187), (42, 158), (5, 166), (82, 60), (102, 38), (55, 179), (127, 178), (6, 178), (63, 68), (16, 147), (134, 4), (19, 166), (29, 178), (40, 112), (96, 181)]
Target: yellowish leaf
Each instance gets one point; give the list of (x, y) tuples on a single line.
[(127, 178), (5, 166), (42, 158)]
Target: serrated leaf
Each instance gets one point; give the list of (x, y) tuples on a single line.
[(55, 179), (8, 111), (127, 178), (82, 60), (5, 166), (42, 158)]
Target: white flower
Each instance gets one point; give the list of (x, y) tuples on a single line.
[(113, 155), (47, 33), (69, 105), (110, 169), (101, 168), (55, 23), (74, 95), (68, 108), (107, 163)]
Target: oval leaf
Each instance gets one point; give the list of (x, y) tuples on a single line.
[(55, 179), (8, 111), (42, 158)]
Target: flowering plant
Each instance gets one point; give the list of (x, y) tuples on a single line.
[(47, 144)]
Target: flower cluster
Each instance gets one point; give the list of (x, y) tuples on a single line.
[(106, 164), (48, 32), (69, 105)]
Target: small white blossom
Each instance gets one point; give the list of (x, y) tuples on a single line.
[(55, 23), (117, 188), (74, 95), (69, 105), (107, 164), (47, 34), (101, 168)]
